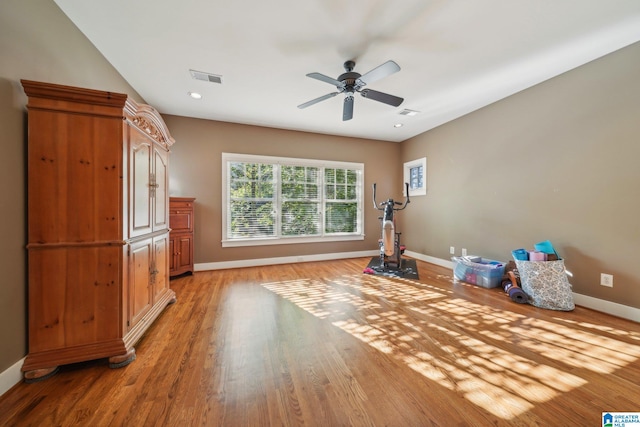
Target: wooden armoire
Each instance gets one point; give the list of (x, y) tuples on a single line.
[(98, 229)]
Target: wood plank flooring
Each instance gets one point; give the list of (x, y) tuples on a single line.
[(321, 344)]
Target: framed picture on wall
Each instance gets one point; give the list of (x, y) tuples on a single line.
[(415, 173)]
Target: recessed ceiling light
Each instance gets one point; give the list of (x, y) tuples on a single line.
[(195, 95), (397, 125), (407, 112)]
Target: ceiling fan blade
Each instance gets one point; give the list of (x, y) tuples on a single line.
[(347, 111), (377, 73), (382, 97), (315, 101), (326, 79)]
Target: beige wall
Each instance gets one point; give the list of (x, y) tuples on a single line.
[(37, 42), (196, 172), (558, 161)]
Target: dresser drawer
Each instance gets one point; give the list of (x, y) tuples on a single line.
[(181, 215)]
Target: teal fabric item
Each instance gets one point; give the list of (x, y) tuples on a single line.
[(520, 254), (546, 247)]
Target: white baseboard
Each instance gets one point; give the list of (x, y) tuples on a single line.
[(11, 376), (431, 260), (604, 306), (281, 260)]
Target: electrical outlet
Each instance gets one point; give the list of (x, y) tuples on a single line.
[(464, 252), (452, 250), (606, 280)]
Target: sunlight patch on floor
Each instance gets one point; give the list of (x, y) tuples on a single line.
[(408, 321), (602, 328)]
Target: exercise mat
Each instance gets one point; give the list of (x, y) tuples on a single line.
[(517, 295), (511, 288), (408, 269)]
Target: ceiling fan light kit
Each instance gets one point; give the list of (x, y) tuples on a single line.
[(351, 82)]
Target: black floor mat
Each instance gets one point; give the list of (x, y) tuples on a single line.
[(407, 270)]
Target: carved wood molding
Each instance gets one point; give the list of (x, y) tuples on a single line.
[(149, 128), (147, 119)]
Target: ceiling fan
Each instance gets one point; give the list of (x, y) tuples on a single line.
[(351, 82)]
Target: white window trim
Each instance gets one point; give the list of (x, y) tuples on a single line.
[(283, 240), (420, 191)]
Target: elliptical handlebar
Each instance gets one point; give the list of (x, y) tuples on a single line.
[(383, 205), (375, 205), (406, 198)]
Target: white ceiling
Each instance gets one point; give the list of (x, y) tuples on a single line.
[(455, 55)]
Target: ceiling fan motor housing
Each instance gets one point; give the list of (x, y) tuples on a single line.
[(349, 80)]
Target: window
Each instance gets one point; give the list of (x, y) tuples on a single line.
[(252, 204), (273, 200), (415, 174), (300, 195), (341, 200)]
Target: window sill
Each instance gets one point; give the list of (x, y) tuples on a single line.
[(289, 240)]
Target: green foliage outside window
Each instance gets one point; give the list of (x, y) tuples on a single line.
[(300, 202), (305, 194), (341, 204), (252, 190)]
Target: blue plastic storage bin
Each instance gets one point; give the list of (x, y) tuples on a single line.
[(483, 272)]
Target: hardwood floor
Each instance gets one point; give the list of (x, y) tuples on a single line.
[(322, 344)]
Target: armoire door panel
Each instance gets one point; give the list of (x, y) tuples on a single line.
[(140, 292), (70, 213), (140, 186), (172, 257), (161, 265), (73, 296), (161, 175)]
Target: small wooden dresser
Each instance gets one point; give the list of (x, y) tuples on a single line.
[(181, 236)]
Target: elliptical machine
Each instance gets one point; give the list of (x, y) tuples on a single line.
[(390, 247)]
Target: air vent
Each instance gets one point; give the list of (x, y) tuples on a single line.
[(407, 112), (206, 77)]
